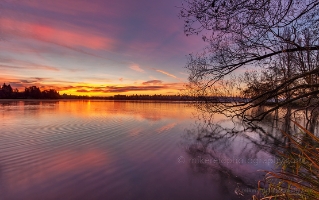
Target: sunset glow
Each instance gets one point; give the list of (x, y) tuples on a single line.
[(95, 48)]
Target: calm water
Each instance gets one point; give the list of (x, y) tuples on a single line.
[(118, 150)]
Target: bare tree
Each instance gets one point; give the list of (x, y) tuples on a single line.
[(278, 38)]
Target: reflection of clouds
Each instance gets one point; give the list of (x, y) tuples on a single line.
[(151, 117), (13, 112), (63, 164), (223, 149), (166, 127), (135, 132), (81, 149), (234, 150)]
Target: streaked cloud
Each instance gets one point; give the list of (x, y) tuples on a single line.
[(152, 85), (36, 67), (184, 73), (86, 91), (121, 89), (72, 7), (152, 82), (57, 35), (166, 73), (136, 68)]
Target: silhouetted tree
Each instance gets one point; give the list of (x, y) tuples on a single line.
[(32, 92), (6, 91), (278, 37), (50, 94)]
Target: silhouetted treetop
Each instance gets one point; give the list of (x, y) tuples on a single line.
[(278, 38), (6, 91), (242, 32)]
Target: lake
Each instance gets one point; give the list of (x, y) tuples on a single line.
[(123, 150)]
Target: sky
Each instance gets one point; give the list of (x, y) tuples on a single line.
[(95, 47)]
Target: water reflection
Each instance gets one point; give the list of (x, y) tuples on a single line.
[(229, 154), (233, 151), (95, 150), (130, 150)]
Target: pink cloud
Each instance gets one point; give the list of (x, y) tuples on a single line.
[(136, 68), (57, 35), (166, 127), (35, 67), (166, 73), (11, 63), (152, 85)]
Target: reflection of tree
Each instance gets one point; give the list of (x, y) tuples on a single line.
[(8, 103), (205, 142), (297, 175), (217, 140)]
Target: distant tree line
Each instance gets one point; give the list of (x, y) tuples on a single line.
[(151, 97), (32, 92), (136, 97)]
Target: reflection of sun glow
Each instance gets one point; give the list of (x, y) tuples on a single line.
[(140, 110), (48, 145), (61, 163)]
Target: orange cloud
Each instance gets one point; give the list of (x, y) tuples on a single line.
[(145, 87), (57, 35), (82, 90)]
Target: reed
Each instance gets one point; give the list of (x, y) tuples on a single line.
[(297, 176)]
